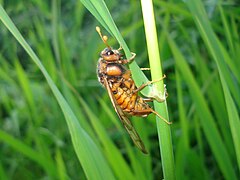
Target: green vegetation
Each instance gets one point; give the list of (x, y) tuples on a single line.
[(56, 121)]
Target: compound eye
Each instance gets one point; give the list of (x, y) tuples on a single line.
[(109, 52)]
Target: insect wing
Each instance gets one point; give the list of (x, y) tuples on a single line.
[(125, 121)]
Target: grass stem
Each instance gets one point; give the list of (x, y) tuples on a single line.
[(163, 128)]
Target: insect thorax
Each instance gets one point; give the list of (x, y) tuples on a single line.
[(109, 70)]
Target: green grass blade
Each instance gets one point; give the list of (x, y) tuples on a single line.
[(89, 154), (207, 121), (23, 81), (120, 168), (228, 86), (164, 132), (2, 172), (62, 173), (28, 152)]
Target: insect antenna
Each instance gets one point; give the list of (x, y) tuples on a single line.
[(104, 38)]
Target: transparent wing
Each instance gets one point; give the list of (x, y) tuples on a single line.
[(125, 121)]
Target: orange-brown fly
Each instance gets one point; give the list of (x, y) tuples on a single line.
[(117, 79)]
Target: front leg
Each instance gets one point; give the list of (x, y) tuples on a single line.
[(126, 61)]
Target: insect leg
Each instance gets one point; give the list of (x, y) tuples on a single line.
[(148, 83), (148, 111), (126, 61), (154, 112), (120, 48), (145, 69), (146, 99)]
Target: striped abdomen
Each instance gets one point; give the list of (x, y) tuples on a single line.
[(128, 100)]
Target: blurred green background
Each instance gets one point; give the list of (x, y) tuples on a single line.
[(35, 142)]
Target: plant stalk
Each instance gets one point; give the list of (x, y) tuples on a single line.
[(163, 128)]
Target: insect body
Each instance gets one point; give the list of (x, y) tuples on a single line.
[(117, 79)]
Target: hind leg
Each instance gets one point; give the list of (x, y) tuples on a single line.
[(145, 112)]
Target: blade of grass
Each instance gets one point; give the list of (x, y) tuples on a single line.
[(121, 169), (3, 174), (215, 48), (62, 173), (28, 152), (91, 158), (164, 132), (207, 121), (25, 85), (216, 97)]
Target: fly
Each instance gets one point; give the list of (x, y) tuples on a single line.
[(117, 79)]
